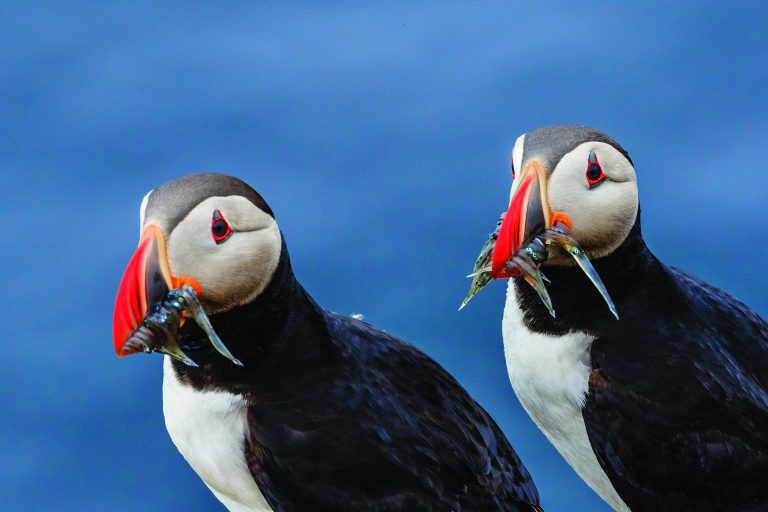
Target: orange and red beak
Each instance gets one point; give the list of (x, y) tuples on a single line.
[(528, 215), (146, 280)]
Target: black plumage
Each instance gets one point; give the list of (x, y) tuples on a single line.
[(677, 409), (345, 417)]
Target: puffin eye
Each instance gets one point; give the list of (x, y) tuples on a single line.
[(220, 228), (595, 174), (512, 167)]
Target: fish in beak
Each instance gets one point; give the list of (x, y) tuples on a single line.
[(152, 304), (520, 244)]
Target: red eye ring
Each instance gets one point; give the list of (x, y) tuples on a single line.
[(595, 174), (220, 228)]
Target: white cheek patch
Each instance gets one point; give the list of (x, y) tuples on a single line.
[(235, 271), (602, 217)]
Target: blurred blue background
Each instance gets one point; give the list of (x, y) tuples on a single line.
[(380, 136)]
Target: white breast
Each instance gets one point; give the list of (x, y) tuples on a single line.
[(550, 376), (209, 428)]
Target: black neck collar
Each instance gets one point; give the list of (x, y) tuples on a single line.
[(267, 335), (577, 302)]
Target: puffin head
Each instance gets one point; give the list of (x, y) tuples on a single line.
[(210, 231), (574, 175)]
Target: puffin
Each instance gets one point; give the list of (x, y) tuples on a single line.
[(310, 410), (653, 385)]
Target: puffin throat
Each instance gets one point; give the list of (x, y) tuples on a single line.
[(270, 335)]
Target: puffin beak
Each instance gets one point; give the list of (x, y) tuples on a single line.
[(146, 281), (527, 216)]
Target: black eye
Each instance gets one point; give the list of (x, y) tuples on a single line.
[(595, 174), (512, 167), (220, 229)]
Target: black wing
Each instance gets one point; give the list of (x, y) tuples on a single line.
[(384, 429), (677, 411)]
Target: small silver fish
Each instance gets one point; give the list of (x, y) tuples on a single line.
[(159, 330), (527, 260), (481, 273)]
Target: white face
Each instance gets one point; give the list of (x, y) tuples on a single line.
[(235, 270), (602, 214)]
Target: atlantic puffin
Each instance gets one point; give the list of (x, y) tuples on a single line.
[(660, 402), (315, 411)]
